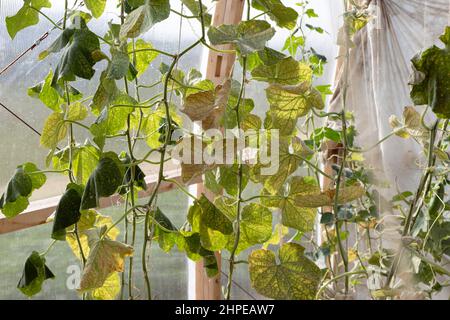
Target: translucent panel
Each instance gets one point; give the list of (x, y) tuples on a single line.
[(23, 144), (168, 272)]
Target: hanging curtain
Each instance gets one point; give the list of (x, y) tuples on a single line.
[(379, 70)]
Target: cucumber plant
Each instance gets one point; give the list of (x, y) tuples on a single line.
[(265, 221)]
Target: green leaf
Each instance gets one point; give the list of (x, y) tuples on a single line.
[(26, 179), (229, 118), (248, 36), (132, 173), (106, 256), (120, 62), (34, 274), (76, 112), (154, 124), (193, 7), (255, 223), (289, 161), (212, 217), (81, 53), (431, 83), (292, 44), (46, 93), (164, 231), (26, 16), (191, 245), (113, 118), (84, 160), (294, 278), (143, 58), (67, 212), (96, 7), (256, 226), (292, 215), (288, 103), (55, 127), (284, 17), (229, 177), (211, 223), (107, 92), (144, 17), (103, 182), (288, 71)]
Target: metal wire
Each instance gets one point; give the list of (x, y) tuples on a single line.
[(239, 286), (20, 119)]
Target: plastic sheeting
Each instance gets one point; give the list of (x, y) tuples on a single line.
[(379, 70)]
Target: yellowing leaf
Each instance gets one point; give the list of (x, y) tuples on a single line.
[(96, 7), (106, 256), (89, 219), (142, 57), (278, 234), (288, 103), (295, 277), (287, 71), (54, 131), (292, 214), (327, 198), (352, 255), (207, 106), (76, 112), (110, 289)]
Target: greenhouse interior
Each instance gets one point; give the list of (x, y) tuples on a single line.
[(225, 150)]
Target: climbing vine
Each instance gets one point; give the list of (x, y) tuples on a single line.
[(300, 237)]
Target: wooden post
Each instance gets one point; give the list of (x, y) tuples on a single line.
[(217, 70)]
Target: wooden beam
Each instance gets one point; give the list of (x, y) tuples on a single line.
[(39, 211), (218, 69)]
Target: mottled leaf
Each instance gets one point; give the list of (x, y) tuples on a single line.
[(288, 71), (431, 81), (248, 36), (144, 17), (89, 219), (294, 277), (292, 215), (288, 103), (106, 256)]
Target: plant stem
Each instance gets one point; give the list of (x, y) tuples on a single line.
[(340, 276), (48, 18), (414, 207), (240, 189)]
